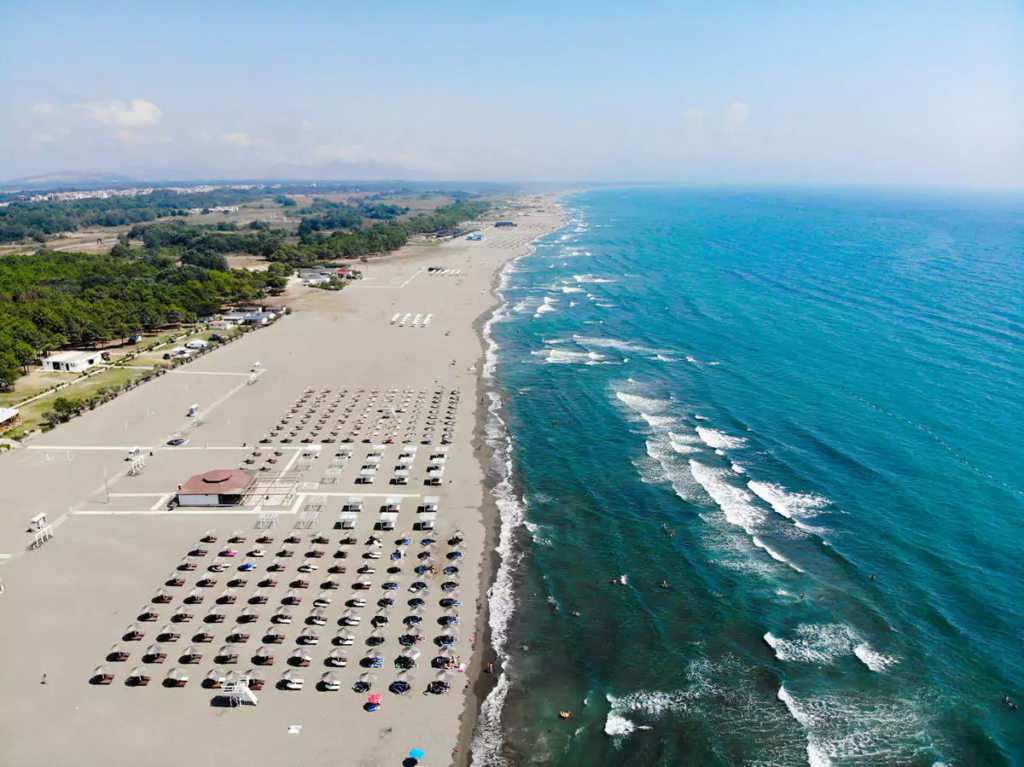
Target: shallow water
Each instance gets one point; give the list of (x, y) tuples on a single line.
[(808, 388)]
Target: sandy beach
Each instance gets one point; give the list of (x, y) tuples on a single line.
[(394, 359)]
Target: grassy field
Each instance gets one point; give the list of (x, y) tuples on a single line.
[(32, 413), (28, 386)]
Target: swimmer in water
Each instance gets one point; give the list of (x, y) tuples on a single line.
[(664, 584), (872, 576)]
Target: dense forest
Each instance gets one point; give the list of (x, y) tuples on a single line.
[(325, 216), (382, 237), (203, 244), (52, 300)]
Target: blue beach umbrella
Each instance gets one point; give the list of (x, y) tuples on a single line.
[(416, 753)]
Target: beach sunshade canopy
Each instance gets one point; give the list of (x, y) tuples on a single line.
[(417, 753), (177, 674), (375, 699)]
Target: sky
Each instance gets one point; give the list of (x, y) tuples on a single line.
[(836, 92)]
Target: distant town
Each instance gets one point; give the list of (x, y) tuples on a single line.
[(105, 194)]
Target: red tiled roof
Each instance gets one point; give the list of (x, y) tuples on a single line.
[(217, 482)]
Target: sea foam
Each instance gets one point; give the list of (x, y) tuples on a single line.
[(786, 503)]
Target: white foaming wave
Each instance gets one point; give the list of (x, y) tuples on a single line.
[(823, 644), (794, 709), (640, 404), (787, 503), (875, 661), (617, 725), (657, 703), (658, 420), (690, 359), (684, 444), (546, 306), (738, 469), (664, 465), (571, 289), (611, 343), (566, 357), (774, 554), (663, 358), (854, 729), (719, 440), (735, 502), (590, 278)]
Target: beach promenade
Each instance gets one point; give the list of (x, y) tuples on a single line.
[(124, 562)]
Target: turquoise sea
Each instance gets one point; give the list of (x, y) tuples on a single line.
[(810, 388)]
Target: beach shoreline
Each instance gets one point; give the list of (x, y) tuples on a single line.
[(482, 683)]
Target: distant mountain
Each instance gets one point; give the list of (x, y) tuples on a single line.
[(78, 179)]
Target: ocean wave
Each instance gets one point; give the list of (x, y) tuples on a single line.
[(570, 289), (612, 343), (684, 444), (565, 357), (824, 644), (547, 306), (719, 439), (735, 502), (774, 554), (875, 661), (853, 729), (640, 404), (787, 503), (591, 279), (658, 420)]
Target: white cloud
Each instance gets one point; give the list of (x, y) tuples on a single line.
[(694, 116), (307, 125), (242, 139), (736, 117), (43, 109), (134, 114)]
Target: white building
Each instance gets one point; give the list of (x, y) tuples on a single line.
[(72, 362)]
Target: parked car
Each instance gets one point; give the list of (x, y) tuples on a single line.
[(216, 338), (167, 356)]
